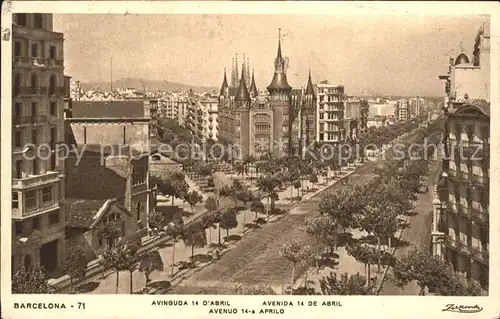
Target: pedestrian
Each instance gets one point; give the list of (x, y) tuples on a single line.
[(217, 254)]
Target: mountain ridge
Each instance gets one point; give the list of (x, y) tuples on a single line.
[(140, 84)]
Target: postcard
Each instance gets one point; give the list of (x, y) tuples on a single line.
[(249, 159)]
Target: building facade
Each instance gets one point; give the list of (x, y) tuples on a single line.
[(256, 123), (461, 214), (402, 110), (38, 119), (416, 106), (330, 109)]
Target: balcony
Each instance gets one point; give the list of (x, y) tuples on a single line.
[(35, 180), (25, 61), (479, 180), (480, 255), (30, 212), (30, 120), (28, 90), (480, 215), (457, 245), (58, 91)]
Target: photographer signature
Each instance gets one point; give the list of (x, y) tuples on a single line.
[(462, 308)]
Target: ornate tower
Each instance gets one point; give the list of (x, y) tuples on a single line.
[(279, 91), (224, 90), (308, 115), (253, 88), (233, 79), (242, 101)]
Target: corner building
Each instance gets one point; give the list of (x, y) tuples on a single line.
[(256, 123), (461, 213), (38, 217)]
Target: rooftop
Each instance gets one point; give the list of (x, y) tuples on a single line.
[(108, 109), (80, 213)]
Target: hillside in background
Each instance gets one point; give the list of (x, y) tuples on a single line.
[(148, 85)]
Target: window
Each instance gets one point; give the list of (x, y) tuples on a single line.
[(33, 109), (34, 50), (52, 85), (30, 199), (36, 168), (54, 218), (52, 52), (15, 200), (17, 48), (138, 209), (53, 135), (53, 108), (36, 222), (34, 137), (21, 19), (19, 172), (38, 21), (321, 116), (46, 194), (17, 138), (17, 110), (33, 82), (19, 228)]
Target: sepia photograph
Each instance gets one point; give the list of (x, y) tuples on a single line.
[(277, 154)]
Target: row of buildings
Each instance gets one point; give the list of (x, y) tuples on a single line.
[(77, 165), (461, 208)]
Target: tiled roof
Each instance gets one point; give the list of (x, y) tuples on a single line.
[(80, 212), (108, 109)]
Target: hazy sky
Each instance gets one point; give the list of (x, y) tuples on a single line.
[(393, 55)]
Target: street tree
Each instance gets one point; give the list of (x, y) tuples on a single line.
[(150, 262), (341, 206), (193, 198), (324, 230), (174, 230), (211, 207), (173, 185), (32, 280), (240, 169), (345, 285), (257, 207), (295, 252), (194, 235), (313, 179), (156, 221), (269, 185), (365, 254), (421, 266), (74, 263), (228, 221)]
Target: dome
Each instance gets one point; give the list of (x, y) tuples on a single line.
[(461, 59)]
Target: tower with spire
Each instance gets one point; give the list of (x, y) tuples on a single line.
[(279, 91), (242, 102), (308, 115)]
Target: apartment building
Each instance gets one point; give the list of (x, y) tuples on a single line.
[(461, 211), (38, 185), (416, 106), (402, 112), (331, 102)]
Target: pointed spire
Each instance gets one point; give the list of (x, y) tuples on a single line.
[(248, 72), (233, 82), (224, 84), (242, 95), (279, 82), (253, 88), (309, 87), (243, 70), (279, 56), (236, 75)]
